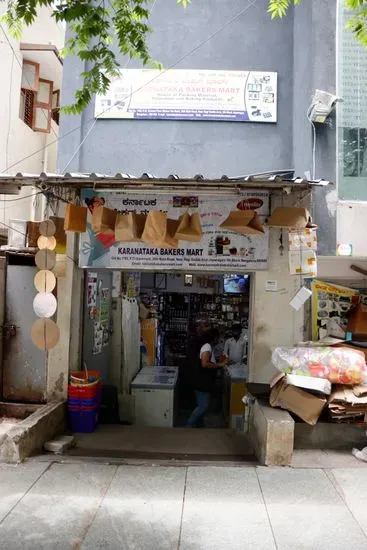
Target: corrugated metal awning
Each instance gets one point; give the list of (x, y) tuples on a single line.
[(121, 181)]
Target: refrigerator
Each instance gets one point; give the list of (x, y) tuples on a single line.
[(154, 399), (157, 370)]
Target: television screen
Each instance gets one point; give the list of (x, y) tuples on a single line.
[(235, 284)]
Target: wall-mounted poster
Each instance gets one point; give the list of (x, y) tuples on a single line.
[(179, 94), (92, 294), (97, 338), (218, 250), (331, 305)]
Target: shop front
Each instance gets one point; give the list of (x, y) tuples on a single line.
[(145, 305), (132, 307), (151, 303)]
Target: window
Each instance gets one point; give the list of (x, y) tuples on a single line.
[(36, 105), (30, 75), (56, 106), (352, 112), (26, 107)]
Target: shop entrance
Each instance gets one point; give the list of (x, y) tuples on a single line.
[(181, 309), (156, 327)]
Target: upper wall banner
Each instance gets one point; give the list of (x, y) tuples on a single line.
[(238, 96), (219, 250)]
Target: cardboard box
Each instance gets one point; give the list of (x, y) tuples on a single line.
[(290, 218), (305, 405)]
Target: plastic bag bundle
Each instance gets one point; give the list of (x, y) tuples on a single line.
[(338, 365)]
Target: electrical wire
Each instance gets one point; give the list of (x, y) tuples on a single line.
[(22, 198), (187, 54), (308, 114), (9, 118), (313, 150), (9, 111)]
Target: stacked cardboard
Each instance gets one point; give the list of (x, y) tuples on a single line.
[(348, 404)]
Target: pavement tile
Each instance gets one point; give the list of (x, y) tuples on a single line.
[(15, 481), (306, 512), (59, 509), (141, 511), (353, 489), (224, 509)]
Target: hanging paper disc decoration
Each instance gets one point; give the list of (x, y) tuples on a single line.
[(45, 334), (44, 304), (46, 242), (45, 281), (47, 228), (45, 259)]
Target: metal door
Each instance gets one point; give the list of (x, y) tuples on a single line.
[(97, 322), (24, 365)]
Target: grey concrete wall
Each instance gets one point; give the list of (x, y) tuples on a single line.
[(301, 48), (314, 67), (253, 41)]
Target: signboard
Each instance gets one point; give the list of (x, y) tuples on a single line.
[(238, 96), (218, 250)]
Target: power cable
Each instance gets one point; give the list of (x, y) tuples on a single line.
[(22, 198), (9, 118), (9, 110), (197, 47)]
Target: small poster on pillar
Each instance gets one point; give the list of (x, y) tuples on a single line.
[(218, 250)]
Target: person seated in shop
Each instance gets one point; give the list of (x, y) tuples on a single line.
[(235, 347), (204, 373)]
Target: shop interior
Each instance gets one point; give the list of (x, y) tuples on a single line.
[(174, 308), (161, 316)]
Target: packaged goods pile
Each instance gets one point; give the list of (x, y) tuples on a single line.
[(314, 378)]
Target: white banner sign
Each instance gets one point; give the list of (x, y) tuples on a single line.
[(218, 250), (238, 96)]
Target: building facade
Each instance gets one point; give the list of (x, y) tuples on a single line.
[(30, 96), (301, 48)]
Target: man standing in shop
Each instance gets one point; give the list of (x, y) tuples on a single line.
[(235, 347), (204, 374)]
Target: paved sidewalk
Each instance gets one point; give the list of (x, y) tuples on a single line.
[(93, 506)]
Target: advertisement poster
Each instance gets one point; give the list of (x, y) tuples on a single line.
[(104, 315), (176, 94), (104, 309), (331, 305), (133, 284), (97, 338), (92, 295), (218, 250)]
